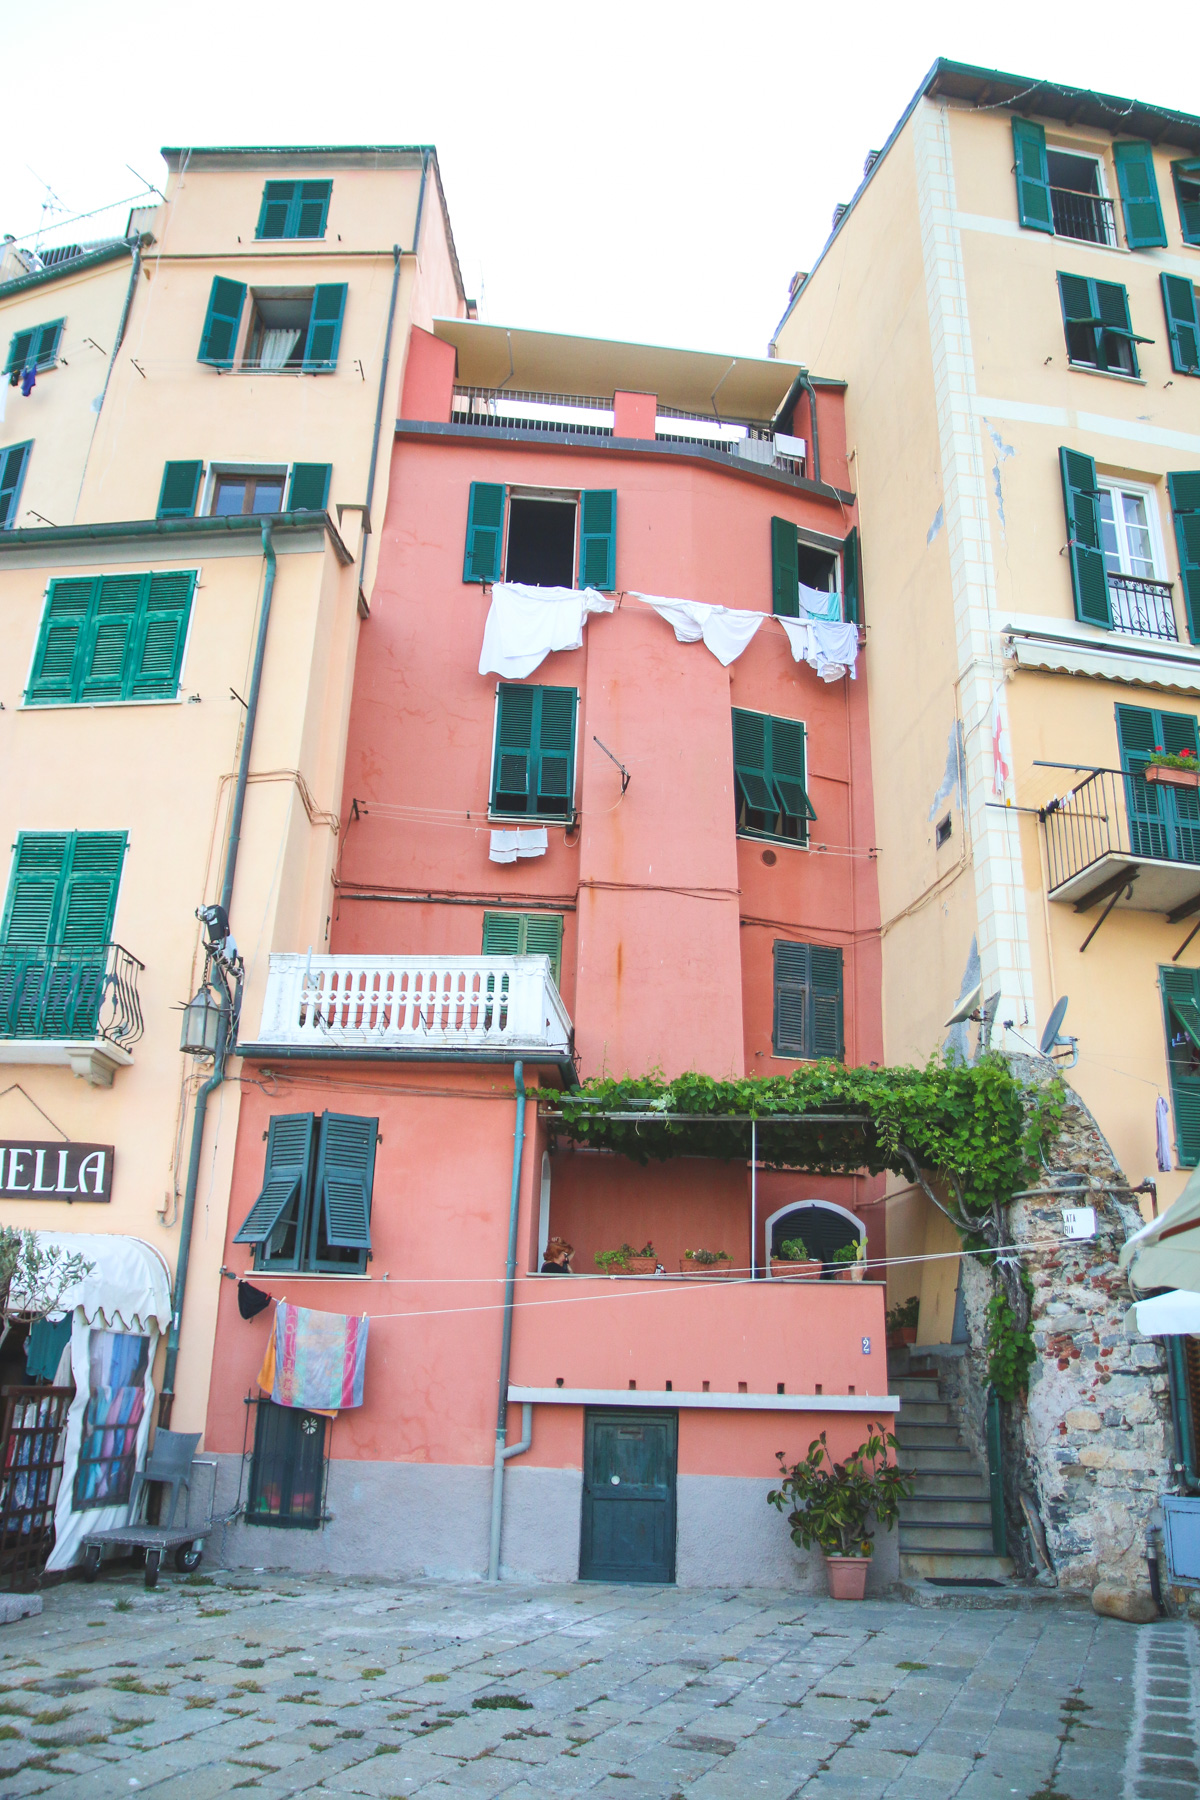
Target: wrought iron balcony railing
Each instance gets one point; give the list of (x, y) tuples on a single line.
[(75, 994), (1142, 608), (1090, 218), (1118, 830)]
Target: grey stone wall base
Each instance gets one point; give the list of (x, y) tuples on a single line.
[(19, 1606)]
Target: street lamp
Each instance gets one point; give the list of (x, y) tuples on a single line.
[(204, 1024)]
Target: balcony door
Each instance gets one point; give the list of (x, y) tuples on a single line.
[(58, 916), (1164, 820), (628, 1530)]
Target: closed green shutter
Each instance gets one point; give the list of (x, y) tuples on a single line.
[(285, 1178), (1183, 325), (534, 766), (785, 577), (1181, 1007), (598, 539), (160, 635), (89, 897), (485, 532), (524, 934), (786, 769), (294, 209), (56, 660), (750, 765), (1033, 182), (310, 209), (1186, 176), (1164, 821), (13, 463), (19, 346), (325, 326), (273, 213), (46, 342), (345, 1172), (180, 490), (512, 789), (827, 1026), (31, 909), (852, 596), (108, 640), (790, 1032), (1184, 489), (556, 748), (1089, 578), (503, 933), (218, 340), (1144, 227), (309, 487), (1092, 309)]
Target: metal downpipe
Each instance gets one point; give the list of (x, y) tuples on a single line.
[(383, 375), (510, 1279), (239, 793)]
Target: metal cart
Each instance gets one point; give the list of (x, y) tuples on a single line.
[(186, 1540)]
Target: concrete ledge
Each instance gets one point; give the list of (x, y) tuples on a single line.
[(19, 1606), (671, 1398)]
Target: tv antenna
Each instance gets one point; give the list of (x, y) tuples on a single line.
[(1053, 1041)]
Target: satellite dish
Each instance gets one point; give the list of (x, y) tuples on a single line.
[(1053, 1040)]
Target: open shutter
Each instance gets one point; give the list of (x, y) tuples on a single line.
[(325, 326), (790, 1034), (503, 933), (345, 1171), (828, 1034), (556, 748), (485, 530), (1177, 733), (598, 539), (90, 889), (785, 576), (542, 936), (180, 490), (1137, 735), (1186, 176), (19, 346), (64, 621), (750, 765), (1184, 489), (1089, 578), (514, 748), (1144, 227), (852, 597), (13, 463), (1183, 324), (34, 887), (108, 644), (273, 213), (1181, 1005), (1033, 181), (160, 636), (285, 1177), (1112, 309), (786, 769), (218, 340), (309, 487)]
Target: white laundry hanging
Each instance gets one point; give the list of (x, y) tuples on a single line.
[(820, 603), (832, 650), (524, 624), (507, 846), (725, 630)]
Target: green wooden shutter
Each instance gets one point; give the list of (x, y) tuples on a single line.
[(1089, 578), (751, 770), (90, 883), (1176, 733), (13, 463), (18, 351), (542, 936), (46, 342), (1137, 734), (512, 789), (555, 742), (503, 933), (345, 1172), (1184, 489), (828, 1033), (34, 886), (598, 539), (1186, 176), (160, 635), (218, 340), (56, 661), (785, 576), (791, 1033), (485, 532), (1033, 182), (180, 490), (308, 490), (285, 1177), (852, 595), (273, 213), (1181, 1006), (325, 326), (1144, 227), (1112, 309), (310, 209), (108, 644), (786, 771), (1183, 324)]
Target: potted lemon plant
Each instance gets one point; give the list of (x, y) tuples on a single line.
[(834, 1506)]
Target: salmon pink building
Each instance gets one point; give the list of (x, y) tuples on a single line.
[(607, 812)]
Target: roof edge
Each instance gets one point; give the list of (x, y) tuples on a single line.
[(60, 271), (122, 530)]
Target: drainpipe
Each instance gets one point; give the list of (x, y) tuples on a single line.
[(167, 1397), (803, 385), (502, 1452), (383, 375), (135, 246)]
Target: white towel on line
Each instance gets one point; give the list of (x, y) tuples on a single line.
[(820, 603), (506, 846), (524, 624), (832, 650), (725, 630)]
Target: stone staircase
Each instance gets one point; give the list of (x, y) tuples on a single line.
[(946, 1525)]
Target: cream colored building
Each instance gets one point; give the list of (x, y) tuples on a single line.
[(199, 447), (1011, 298)]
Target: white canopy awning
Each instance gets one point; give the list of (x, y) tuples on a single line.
[(1168, 1315), (128, 1289)]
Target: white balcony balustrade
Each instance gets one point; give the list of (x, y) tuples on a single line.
[(486, 1008)]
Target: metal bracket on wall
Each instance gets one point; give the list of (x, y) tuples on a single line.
[(1111, 889)]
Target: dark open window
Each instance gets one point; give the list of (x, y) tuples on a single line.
[(295, 330), (1096, 321), (541, 542), (314, 1209)]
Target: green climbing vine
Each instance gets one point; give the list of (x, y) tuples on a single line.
[(1010, 1346)]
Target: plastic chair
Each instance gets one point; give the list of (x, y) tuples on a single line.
[(170, 1461)]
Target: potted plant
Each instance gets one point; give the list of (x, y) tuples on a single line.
[(829, 1505), (794, 1261), (1177, 768), (901, 1322), (705, 1262), (847, 1262), (628, 1261)]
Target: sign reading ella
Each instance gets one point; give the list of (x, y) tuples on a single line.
[(56, 1171)]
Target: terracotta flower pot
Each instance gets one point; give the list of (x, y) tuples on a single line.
[(783, 1270), (847, 1576), (688, 1267), (641, 1265), (901, 1335), (1189, 778)]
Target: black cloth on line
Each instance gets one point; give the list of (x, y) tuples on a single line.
[(251, 1300)]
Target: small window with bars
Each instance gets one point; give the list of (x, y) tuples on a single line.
[(288, 1468), (809, 1013)]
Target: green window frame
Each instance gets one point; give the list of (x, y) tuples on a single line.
[(308, 489), (1183, 488), (809, 1005), (1081, 502), (14, 461), (485, 532), (294, 209), (525, 934), (1180, 991), (112, 638), (785, 572), (483, 553), (1138, 187), (770, 778), (1034, 209), (1185, 176), (36, 347), (598, 539), (62, 889), (218, 340), (1183, 323), (1164, 820), (1096, 325), (313, 1212), (852, 594), (533, 760), (180, 490)]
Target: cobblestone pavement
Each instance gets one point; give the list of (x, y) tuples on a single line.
[(211, 1685)]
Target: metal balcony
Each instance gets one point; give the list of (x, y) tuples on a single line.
[(1119, 837), (1089, 218), (1142, 608), (426, 1008), (74, 1006)]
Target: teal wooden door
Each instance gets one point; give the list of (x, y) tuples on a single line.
[(628, 1496)]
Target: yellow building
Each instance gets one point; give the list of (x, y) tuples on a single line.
[(189, 469), (1011, 297)]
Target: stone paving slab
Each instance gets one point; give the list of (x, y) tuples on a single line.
[(227, 1685)]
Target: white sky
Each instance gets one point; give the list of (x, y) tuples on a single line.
[(640, 169)]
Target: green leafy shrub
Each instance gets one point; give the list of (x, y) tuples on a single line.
[(831, 1502), (793, 1250), (907, 1313)]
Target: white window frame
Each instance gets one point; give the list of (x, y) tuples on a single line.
[(561, 497), (1102, 187), (1147, 492)]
